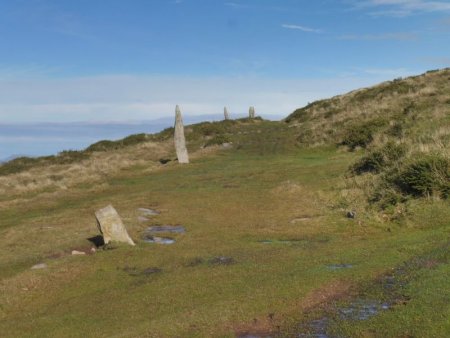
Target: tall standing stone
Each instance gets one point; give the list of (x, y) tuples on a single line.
[(251, 113), (111, 226), (180, 141), (225, 114)]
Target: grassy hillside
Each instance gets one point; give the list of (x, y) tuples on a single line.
[(268, 248), (404, 128)]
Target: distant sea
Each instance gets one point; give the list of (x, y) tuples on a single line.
[(42, 139)]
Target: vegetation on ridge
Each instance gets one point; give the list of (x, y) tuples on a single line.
[(404, 127)]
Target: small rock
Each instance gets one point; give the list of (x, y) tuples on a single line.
[(227, 145), (78, 253), (133, 271), (93, 250), (39, 266), (221, 260), (148, 212), (164, 160), (179, 229), (143, 219), (351, 214), (302, 219), (151, 271), (158, 240)]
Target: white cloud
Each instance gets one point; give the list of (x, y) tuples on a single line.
[(400, 8), (126, 97), (302, 28)]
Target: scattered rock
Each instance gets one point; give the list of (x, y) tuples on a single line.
[(150, 271), (222, 260), (78, 253), (39, 266), (180, 141), (158, 240), (296, 242), (133, 271), (339, 266), (301, 219), (148, 212), (111, 226), (164, 160), (351, 214), (143, 219), (227, 145), (195, 262), (178, 229)]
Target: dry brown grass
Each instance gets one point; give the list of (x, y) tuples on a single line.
[(95, 169)]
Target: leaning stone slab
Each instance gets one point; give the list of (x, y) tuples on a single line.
[(180, 141), (111, 226)]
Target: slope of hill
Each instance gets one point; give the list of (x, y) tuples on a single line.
[(268, 249), (404, 125)]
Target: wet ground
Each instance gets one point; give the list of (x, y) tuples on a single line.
[(158, 240), (149, 235), (380, 295)]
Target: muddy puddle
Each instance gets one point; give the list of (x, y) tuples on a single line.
[(381, 295), (377, 297)]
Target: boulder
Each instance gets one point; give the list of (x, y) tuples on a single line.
[(111, 226), (180, 141)]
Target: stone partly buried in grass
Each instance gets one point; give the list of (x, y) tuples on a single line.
[(158, 240), (111, 226)]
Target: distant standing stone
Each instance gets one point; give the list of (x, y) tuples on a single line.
[(111, 226), (225, 114), (251, 113), (180, 141)]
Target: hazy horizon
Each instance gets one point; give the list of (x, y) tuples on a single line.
[(49, 138)]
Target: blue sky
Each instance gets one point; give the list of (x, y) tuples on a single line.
[(117, 60)]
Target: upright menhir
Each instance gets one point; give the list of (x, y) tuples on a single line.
[(180, 141)]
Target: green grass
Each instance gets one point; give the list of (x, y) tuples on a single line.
[(228, 203)]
